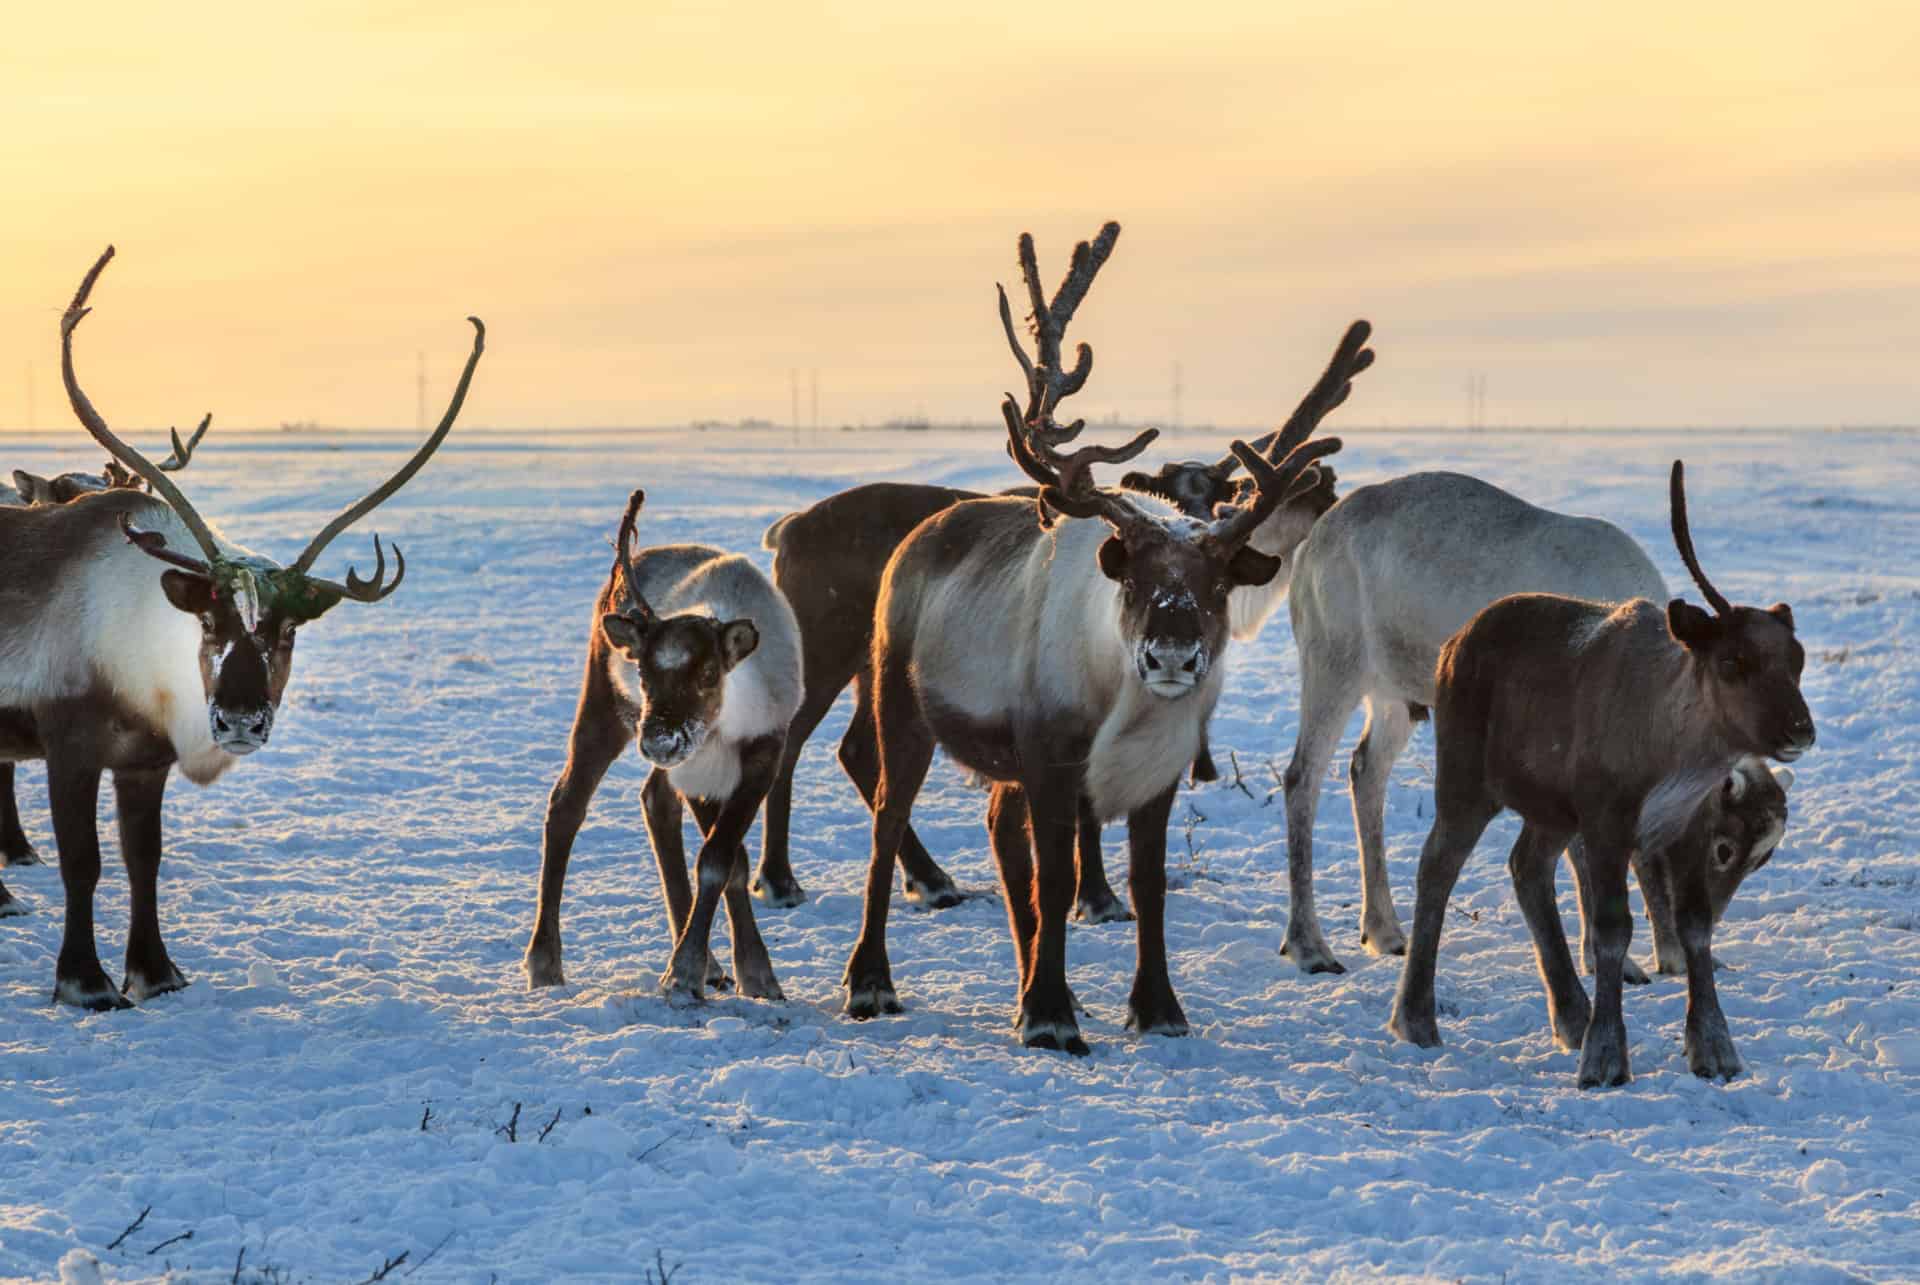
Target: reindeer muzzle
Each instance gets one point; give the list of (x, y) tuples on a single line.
[(1171, 668), (240, 732), (669, 746)]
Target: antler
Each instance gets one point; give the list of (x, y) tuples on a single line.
[(623, 555), (1332, 388), (1033, 438), (1683, 538), (183, 451), (380, 493), (1273, 487), (161, 484), (153, 542)]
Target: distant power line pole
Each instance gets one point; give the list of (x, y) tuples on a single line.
[(813, 399), (1177, 390), (420, 391), (1476, 401)]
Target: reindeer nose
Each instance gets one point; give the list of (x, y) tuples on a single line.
[(1171, 657)]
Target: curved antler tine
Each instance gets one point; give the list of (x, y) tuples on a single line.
[(183, 451), (624, 552), (1046, 344), (1274, 485), (90, 418), (155, 544), (1683, 539), (373, 590), (1074, 380), (1013, 339), (379, 494), (1086, 262)]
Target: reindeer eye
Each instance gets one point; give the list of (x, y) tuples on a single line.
[(1733, 668), (1723, 853)]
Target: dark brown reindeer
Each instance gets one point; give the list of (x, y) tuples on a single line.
[(828, 560), (695, 655), (1065, 661), (121, 654), (31, 489), (1612, 723)]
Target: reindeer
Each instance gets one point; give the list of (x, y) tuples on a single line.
[(694, 654), (111, 663), (1381, 583), (1610, 722), (828, 560), (30, 489), (1072, 663)]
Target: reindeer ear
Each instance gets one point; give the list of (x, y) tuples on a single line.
[(1782, 612), (1252, 567), (1113, 557), (624, 632), (738, 639), (33, 488), (190, 593), (1690, 626)]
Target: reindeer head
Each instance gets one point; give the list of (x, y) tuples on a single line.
[(248, 606), (1174, 572), (1746, 819), (37, 490), (683, 661), (1747, 660)]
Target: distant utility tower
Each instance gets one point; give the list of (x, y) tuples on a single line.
[(1476, 401), (813, 399), (420, 391), (1178, 388)]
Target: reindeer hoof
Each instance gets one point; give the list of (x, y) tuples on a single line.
[(1632, 974), (11, 905), (683, 985), (1173, 1025), (95, 994), (1710, 1053), (1603, 1057), (933, 896), (1102, 909), (1310, 953), (20, 854), (1570, 1027), (1418, 1029), (1387, 939), (141, 985), (871, 999), (766, 988), (542, 968), (1058, 1036), (780, 891)]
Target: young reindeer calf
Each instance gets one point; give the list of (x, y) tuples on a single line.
[(1612, 723), (694, 654)]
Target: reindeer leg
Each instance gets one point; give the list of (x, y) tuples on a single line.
[(1604, 1060), (1325, 702), (921, 878), (774, 882), (665, 814), (906, 752), (74, 789), (137, 798), (1630, 972), (728, 822), (1457, 826), (1531, 864), (597, 739), (1653, 871), (1152, 1008), (1093, 898), (1046, 1004), (1012, 846), (15, 848), (1389, 726), (1709, 1046)]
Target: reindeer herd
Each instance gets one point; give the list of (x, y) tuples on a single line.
[(1064, 642)]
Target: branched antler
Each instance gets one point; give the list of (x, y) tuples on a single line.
[(1033, 437), (1683, 539), (1274, 485), (1350, 357), (183, 451)]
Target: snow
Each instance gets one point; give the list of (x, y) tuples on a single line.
[(351, 905)]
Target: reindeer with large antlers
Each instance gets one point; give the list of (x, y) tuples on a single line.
[(1613, 723), (1067, 661), (121, 653), (697, 657)]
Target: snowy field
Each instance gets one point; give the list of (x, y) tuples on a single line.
[(352, 903)]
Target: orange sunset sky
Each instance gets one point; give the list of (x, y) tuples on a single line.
[(1624, 214)]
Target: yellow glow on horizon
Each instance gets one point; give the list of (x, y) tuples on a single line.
[(1655, 215)]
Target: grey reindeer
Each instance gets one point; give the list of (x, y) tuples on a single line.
[(1379, 585), (695, 655), (1612, 723)]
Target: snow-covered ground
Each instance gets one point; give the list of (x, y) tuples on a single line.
[(351, 906)]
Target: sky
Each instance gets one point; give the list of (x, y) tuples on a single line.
[(1637, 215)]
